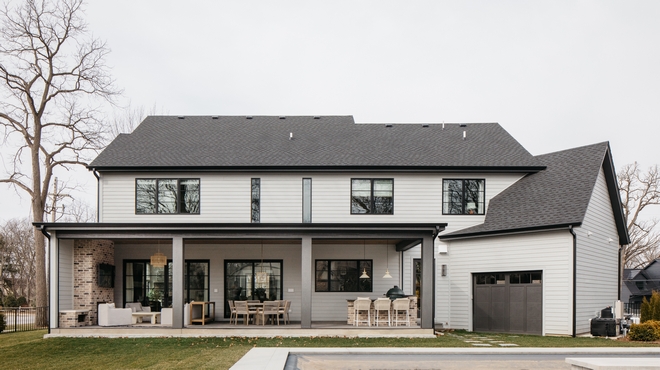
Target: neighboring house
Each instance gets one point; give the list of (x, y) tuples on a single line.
[(488, 236), (640, 283)]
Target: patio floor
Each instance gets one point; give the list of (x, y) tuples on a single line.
[(225, 329)]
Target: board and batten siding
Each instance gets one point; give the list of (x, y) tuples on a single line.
[(65, 270), (225, 197), (550, 252), (597, 270)]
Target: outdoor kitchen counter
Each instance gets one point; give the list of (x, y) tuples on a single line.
[(412, 312)]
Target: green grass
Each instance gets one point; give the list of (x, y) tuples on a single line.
[(28, 350)]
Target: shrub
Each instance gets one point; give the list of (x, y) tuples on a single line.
[(647, 331), (2, 322), (10, 301), (650, 309)]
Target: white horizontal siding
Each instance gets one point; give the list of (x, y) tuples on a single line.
[(225, 197), (65, 278), (549, 252), (597, 257)]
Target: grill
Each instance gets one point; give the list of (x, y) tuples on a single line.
[(395, 293)]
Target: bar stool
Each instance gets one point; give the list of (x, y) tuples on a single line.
[(361, 305), (401, 305), (382, 304)]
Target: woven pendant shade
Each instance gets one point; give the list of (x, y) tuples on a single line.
[(158, 260)]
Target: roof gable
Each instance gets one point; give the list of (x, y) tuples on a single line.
[(555, 197), (230, 142)]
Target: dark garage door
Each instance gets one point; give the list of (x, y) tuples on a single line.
[(510, 302)]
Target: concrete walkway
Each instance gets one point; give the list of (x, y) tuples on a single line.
[(453, 358)]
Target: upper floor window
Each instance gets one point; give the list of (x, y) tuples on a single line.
[(375, 196), (154, 196), (307, 201), (463, 197), (256, 200)]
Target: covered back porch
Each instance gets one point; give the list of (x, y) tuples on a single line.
[(310, 265)]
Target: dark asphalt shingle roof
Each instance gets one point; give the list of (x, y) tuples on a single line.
[(556, 196), (330, 141)]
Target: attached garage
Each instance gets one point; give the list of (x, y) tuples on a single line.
[(509, 302)]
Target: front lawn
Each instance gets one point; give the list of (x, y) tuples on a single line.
[(29, 351)]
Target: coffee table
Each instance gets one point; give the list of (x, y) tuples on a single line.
[(138, 316)]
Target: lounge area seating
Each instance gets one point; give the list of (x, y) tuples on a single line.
[(109, 315), (136, 307)]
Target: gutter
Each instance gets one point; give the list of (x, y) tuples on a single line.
[(98, 194), (570, 229)]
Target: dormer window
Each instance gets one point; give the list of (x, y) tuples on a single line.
[(463, 196), (166, 196)]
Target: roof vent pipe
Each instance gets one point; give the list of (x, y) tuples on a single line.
[(290, 135), (388, 125), (248, 117), (317, 117), (464, 134), (443, 125), (282, 117), (182, 117)]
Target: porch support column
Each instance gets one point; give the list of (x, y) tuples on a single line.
[(54, 281), (428, 285), (177, 283), (306, 279)]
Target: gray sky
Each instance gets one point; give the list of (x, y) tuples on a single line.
[(555, 74)]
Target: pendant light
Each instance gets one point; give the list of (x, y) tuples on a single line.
[(262, 277), (364, 255), (387, 272), (158, 259)]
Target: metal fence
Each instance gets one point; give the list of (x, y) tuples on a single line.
[(631, 309), (24, 318)]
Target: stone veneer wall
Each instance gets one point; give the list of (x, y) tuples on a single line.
[(87, 254)]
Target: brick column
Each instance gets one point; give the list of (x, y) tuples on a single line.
[(87, 255)]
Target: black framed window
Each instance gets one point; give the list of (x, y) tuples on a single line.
[(463, 196), (255, 200), (343, 276), (372, 196), (152, 286), (167, 196)]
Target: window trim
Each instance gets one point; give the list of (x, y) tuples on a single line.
[(463, 200), (329, 261), (178, 187), (371, 196)]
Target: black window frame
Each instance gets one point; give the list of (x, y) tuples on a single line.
[(357, 276), (464, 199), (372, 198), (166, 299), (180, 200)]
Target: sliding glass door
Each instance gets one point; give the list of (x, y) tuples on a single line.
[(252, 280)]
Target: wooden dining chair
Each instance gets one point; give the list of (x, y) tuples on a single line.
[(232, 311), (242, 309), (271, 309), (285, 307)]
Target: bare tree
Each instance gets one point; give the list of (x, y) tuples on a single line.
[(53, 84), (19, 255), (639, 190)]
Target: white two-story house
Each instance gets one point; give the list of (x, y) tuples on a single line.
[(486, 235)]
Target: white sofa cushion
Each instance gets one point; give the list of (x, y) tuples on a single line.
[(111, 316)]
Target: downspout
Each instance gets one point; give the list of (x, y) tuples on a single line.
[(98, 194), (42, 228), (570, 229), (618, 294)]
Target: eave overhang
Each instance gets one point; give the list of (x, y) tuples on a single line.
[(478, 234), (241, 230), (483, 169)]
